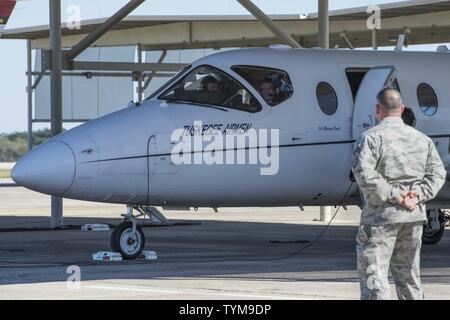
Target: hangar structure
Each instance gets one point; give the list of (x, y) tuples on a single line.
[(425, 21), (400, 23)]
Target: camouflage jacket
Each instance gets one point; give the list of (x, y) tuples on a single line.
[(391, 157)]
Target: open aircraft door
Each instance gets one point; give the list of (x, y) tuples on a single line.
[(364, 112)]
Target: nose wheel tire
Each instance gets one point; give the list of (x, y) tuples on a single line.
[(127, 242), (434, 229), (432, 236)]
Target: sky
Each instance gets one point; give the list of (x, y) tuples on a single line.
[(13, 97)]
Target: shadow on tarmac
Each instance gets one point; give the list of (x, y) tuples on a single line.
[(254, 250)]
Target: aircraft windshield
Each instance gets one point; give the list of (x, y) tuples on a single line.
[(168, 83), (208, 86)]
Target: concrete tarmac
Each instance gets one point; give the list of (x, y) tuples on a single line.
[(242, 253)]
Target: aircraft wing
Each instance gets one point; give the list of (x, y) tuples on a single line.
[(425, 22)]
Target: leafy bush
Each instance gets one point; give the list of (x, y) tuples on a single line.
[(14, 145)]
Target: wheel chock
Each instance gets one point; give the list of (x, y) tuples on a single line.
[(109, 256), (148, 255)]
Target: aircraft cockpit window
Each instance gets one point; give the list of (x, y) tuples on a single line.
[(206, 85), (327, 98), (168, 83), (427, 98), (274, 85)]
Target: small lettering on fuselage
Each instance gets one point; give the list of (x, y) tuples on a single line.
[(216, 129), (325, 128)]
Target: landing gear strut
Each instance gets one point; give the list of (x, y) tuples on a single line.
[(127, 238), (434, 229)]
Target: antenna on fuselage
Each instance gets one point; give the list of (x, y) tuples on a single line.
[(401, 41)]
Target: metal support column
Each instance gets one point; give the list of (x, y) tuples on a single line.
[(30, 95), (140, 90), (374, 39), (325, 214), (56, 94), (324, 42), (324, 25)]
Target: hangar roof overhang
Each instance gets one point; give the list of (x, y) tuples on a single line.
[(428, 22)]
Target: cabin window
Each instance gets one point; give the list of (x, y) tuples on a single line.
[(327, 98), (427, 98), (274, 85), (207, 85)]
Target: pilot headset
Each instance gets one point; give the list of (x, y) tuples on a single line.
[(208, 79)]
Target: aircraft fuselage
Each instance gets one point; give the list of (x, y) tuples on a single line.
[(126, 157)]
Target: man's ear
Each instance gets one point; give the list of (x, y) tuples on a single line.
[(402, 108)]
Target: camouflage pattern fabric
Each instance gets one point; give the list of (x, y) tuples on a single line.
[(391, 157), (393, 247)]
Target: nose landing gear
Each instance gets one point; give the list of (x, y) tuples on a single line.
[(127, 238)]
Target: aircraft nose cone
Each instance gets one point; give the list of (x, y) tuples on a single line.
[(49, 169)]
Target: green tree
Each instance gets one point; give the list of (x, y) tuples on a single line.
[(14, 145)]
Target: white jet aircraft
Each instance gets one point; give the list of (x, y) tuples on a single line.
[(314, 104)]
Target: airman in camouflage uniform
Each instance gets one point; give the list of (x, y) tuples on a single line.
[(397, 169)]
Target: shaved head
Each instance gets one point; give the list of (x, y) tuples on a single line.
[(389, 104), (390, 99)]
